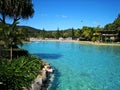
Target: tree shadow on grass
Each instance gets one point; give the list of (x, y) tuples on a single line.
[(48, 56)]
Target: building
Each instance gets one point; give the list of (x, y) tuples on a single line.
[(108, 35)]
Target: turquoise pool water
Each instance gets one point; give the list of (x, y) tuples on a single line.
[(79, 66)]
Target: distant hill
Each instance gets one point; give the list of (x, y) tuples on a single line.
[(31, 29)]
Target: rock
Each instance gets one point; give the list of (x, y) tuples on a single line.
[(39, 81), (36, 86), (44, 76), (24, 88), (50, 70), (43, 79)]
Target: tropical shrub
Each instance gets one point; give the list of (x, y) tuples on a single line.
[(19, 72), (93, 39)]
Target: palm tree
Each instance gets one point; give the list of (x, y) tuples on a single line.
[(16, 10), (13, 36)]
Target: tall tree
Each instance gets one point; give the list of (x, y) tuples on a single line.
[(73, 34), (16, 10), (110, 26), (43, 33), (58, 34), (116, 23), (78, 33), (87, 32)]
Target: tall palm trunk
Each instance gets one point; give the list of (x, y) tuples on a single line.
[(11, 52)]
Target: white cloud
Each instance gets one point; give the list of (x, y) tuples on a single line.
[(43, 14), (62, 16), (96, 23)]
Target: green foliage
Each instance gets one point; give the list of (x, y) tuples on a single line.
[(87, 32), (19, 72), (110, 26), (58, 34), (16, 9), (116, 23), (43, 33), (113, 26), (95, 38), (73, 33), (12, 35), (78, 33)]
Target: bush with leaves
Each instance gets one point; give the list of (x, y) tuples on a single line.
[(19, 72)]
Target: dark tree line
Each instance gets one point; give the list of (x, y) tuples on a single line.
[(86, 33)]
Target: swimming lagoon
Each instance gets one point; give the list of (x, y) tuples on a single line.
[(80, 66)]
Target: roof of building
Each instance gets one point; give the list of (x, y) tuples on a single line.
[(107, 31)]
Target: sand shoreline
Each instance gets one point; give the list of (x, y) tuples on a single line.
[(81, 42), (100, 43)]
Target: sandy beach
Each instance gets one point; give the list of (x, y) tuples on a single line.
[(77, 41), (100, 43)]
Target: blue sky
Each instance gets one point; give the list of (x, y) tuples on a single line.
[(51, 14)]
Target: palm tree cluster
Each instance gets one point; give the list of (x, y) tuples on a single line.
[(16, 10)]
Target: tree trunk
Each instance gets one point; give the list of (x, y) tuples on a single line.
[(11, 53)]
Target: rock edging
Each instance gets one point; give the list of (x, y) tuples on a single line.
[(43, 79)]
